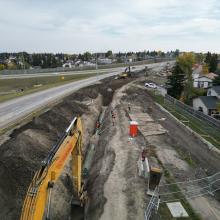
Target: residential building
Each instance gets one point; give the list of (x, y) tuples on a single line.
[(104, 61), (101, 55), (214, 91), (206, 104), (196, 71), (69, 64), (202, 82)]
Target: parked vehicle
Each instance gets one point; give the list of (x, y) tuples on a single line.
[(151, 85)]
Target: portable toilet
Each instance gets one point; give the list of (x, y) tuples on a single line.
[(133, 128)]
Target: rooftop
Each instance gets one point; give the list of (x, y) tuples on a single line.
[(216, 89), (209, 101)]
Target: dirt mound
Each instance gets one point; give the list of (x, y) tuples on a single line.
[(21, 155)]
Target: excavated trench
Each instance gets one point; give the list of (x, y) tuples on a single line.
[(27, 146)]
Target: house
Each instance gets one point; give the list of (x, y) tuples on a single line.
[(11, 59), (104, 61), (214, 91), (87, 63), (68, 64), (101, 55), (202, 82), (206, 104), (196, 71)]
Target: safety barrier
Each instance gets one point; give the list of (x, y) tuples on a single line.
[(212, 121)]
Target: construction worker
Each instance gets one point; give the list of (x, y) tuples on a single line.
[(113, 117), (129, 107), (143, 155), (98, 125)]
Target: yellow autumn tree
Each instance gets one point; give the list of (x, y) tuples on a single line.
[(205, 69), (186, 62), (2, 66)]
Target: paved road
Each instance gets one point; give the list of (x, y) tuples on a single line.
[(15, 109), (20, 76)]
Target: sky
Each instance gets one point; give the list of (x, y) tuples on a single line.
[(76, 26)]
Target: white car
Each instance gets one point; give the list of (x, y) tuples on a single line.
[(151, 85)]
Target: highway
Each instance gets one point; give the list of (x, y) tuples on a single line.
[(19, 76), (11, 111), (78, 72)]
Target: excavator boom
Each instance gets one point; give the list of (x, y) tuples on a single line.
[(37, 201)]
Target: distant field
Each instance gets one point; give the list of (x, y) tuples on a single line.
[(12, 88)]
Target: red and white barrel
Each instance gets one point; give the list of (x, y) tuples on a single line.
[(133, 128)]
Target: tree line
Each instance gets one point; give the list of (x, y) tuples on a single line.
[(24, 60)]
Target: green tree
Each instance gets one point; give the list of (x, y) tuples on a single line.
[(176, 82), (109, 54), (87, 56), (212, 61), (200, 58), (176, 53)]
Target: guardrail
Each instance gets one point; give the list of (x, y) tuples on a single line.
[(212, 121)]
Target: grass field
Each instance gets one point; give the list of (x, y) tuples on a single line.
[(207, 131), (12, 88)]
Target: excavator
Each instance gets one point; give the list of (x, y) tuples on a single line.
[(125, 74), (37, 202)]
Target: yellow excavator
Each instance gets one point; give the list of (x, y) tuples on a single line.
[(125, 74), (38, 198)]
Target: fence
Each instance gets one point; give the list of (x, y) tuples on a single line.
[(66, 69), (212, 121), (153, 205)]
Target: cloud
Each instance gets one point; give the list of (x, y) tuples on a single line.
[(97, 25)]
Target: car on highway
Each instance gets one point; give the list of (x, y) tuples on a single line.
[(150, 85)]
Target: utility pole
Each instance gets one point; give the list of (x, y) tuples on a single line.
[(23, 62), (96, 65), (96, 60)]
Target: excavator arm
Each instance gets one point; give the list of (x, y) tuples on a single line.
[(37, 201)]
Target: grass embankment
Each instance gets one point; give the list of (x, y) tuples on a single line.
[(16, 87), (207, 131)]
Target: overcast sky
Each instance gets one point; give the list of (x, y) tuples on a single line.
[(74, 26)]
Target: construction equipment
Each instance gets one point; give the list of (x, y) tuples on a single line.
[(38, 198), (154, 179), (125, 74)]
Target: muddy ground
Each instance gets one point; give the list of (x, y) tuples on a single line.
[(181, 153)]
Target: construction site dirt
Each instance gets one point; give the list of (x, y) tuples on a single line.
[(114, 188), (27, 146)]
